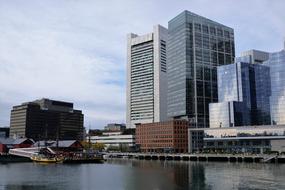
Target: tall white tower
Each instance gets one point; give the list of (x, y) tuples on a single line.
[(146, 77)]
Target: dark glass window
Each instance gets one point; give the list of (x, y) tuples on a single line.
[(200, 105), (213, 43), (212, 30), (198, 40), (206, 57), (215, 90), (207, 102), (207, 74), (205, 29), (199, 72), (199, 88), (227, 46), (227, 34), (221, 59), (199, 57), (228, 59), (214, 58), (220, 44), (197, 27), (214, 74), (208, 89), (206, 42), (220, 32)]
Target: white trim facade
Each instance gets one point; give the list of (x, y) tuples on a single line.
[(146, 77)]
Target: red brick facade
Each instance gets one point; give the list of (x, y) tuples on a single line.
[(163, 136)]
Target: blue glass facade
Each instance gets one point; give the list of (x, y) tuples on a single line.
[(244, 91), (276, 62), (196, 46)]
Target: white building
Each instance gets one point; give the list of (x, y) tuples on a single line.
[(114, 139), (146, 77)]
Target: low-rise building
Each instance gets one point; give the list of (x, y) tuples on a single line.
[(115, 139), (168, 136), (246, 139), (9, 143)]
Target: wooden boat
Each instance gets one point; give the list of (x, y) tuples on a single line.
[(44, 159)]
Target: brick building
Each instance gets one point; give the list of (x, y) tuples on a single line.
[(168, 136)]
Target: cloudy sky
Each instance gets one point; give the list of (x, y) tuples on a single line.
[(75, 50)]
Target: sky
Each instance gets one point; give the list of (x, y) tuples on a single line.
[(75, 51)]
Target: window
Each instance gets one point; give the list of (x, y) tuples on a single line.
[(205, 29), (197, 27), (214, 59), (199, 72), (207, 74), (221, 59), (212, 30), (220, 32)]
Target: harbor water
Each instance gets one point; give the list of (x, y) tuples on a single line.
[(120, 174)]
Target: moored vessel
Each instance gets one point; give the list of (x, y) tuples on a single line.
[(44, 159)]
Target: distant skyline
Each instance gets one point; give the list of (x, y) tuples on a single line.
[(76, 50)]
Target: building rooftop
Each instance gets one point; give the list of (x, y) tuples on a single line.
[(12, 141), (193, 15)]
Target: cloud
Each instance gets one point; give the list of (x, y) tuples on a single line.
[(76, 50)]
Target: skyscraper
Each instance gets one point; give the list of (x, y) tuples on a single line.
[(146, 77), (276, 62), (196, 46)]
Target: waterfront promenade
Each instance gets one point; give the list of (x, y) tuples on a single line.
[(270, 158), (265, 158)]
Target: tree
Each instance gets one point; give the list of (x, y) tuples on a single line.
[(93, 146)]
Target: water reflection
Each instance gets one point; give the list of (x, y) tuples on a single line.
[(27, 187), (141, 174), (203, 175), (166, 175)]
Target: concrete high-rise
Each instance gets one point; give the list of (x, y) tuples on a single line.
[(46, 119), (195, 47), (146, 77)]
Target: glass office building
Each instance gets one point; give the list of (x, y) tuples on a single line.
[(250, 139), (243, 91), (276, 62), (196, 46)]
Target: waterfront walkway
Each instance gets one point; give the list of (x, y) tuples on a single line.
[(201, 157)]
